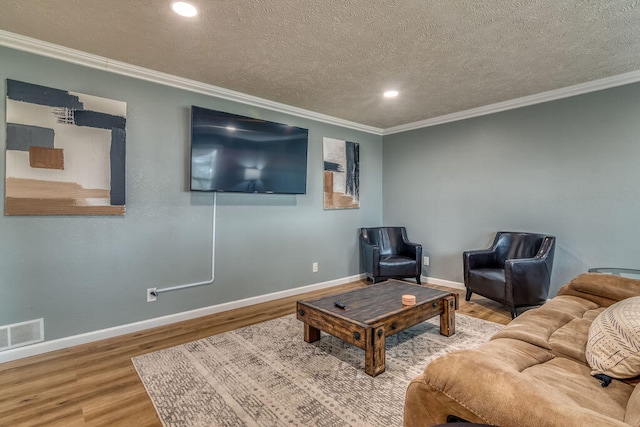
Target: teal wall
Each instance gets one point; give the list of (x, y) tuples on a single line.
[(84, 274), (568, 167)]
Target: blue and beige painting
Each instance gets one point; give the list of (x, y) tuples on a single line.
[(341, 174), (65, 152)]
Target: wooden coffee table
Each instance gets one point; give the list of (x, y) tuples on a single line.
[(373, 313)]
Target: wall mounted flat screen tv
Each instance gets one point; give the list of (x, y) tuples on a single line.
[(246, 155)]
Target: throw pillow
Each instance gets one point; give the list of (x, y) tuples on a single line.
[(613, 345)]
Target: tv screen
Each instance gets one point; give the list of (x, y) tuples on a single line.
[(241, 154)]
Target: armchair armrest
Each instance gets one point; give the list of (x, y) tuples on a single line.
[(411, 250), (487, 258), (480, 258), (370, 257), (408, 248), (527, 280)]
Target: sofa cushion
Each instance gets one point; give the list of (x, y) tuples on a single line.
[(560, 326), (632, 416), (613, 345), (571, 340), (577, 389)]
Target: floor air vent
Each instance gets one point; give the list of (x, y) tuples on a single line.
[(21, 334)]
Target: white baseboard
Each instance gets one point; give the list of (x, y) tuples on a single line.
[(66, 342), (442, 282)]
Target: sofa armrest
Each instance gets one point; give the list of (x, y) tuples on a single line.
[(603, 289)]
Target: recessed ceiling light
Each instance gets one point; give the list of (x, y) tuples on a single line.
[(391, 94), (183, 8)]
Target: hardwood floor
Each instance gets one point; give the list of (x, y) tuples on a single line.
[(96, 384)]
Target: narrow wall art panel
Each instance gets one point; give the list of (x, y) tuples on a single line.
[(341, 174), (65, 152)]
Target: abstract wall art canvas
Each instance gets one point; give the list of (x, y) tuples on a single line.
[(65, 152), (341, 174)]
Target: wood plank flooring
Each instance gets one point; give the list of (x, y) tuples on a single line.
[(96, 384)]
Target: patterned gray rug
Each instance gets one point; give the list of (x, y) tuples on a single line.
[(267, 375)]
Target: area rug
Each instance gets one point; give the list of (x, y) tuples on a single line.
[(267, 375)]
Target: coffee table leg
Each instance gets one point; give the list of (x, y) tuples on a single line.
[(448, 317), (311, 334), (375, 357)]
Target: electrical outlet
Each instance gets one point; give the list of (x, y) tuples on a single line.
[(314, 267), (426, 260), (152, 296)]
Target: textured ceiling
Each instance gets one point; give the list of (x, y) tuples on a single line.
[(336, 57)]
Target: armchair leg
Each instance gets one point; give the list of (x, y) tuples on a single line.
[(467, 297), (514, 313), (418, 279)]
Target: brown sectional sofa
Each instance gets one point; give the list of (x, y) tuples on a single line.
[(533, 373)]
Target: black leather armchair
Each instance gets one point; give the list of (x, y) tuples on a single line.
[(387, 253), (515, 270)]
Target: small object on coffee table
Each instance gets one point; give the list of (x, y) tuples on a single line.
[(408, 300), (339, 304)]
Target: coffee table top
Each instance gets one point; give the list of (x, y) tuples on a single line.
[(375, 302)]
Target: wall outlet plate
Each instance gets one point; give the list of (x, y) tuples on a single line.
[(314, 267), (152, 296), (426, 260)]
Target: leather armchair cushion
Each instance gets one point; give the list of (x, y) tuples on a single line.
[(395, 265), (490, 280)]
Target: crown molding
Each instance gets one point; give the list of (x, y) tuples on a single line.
[(42, 48), (50, 50), (552, 95)]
